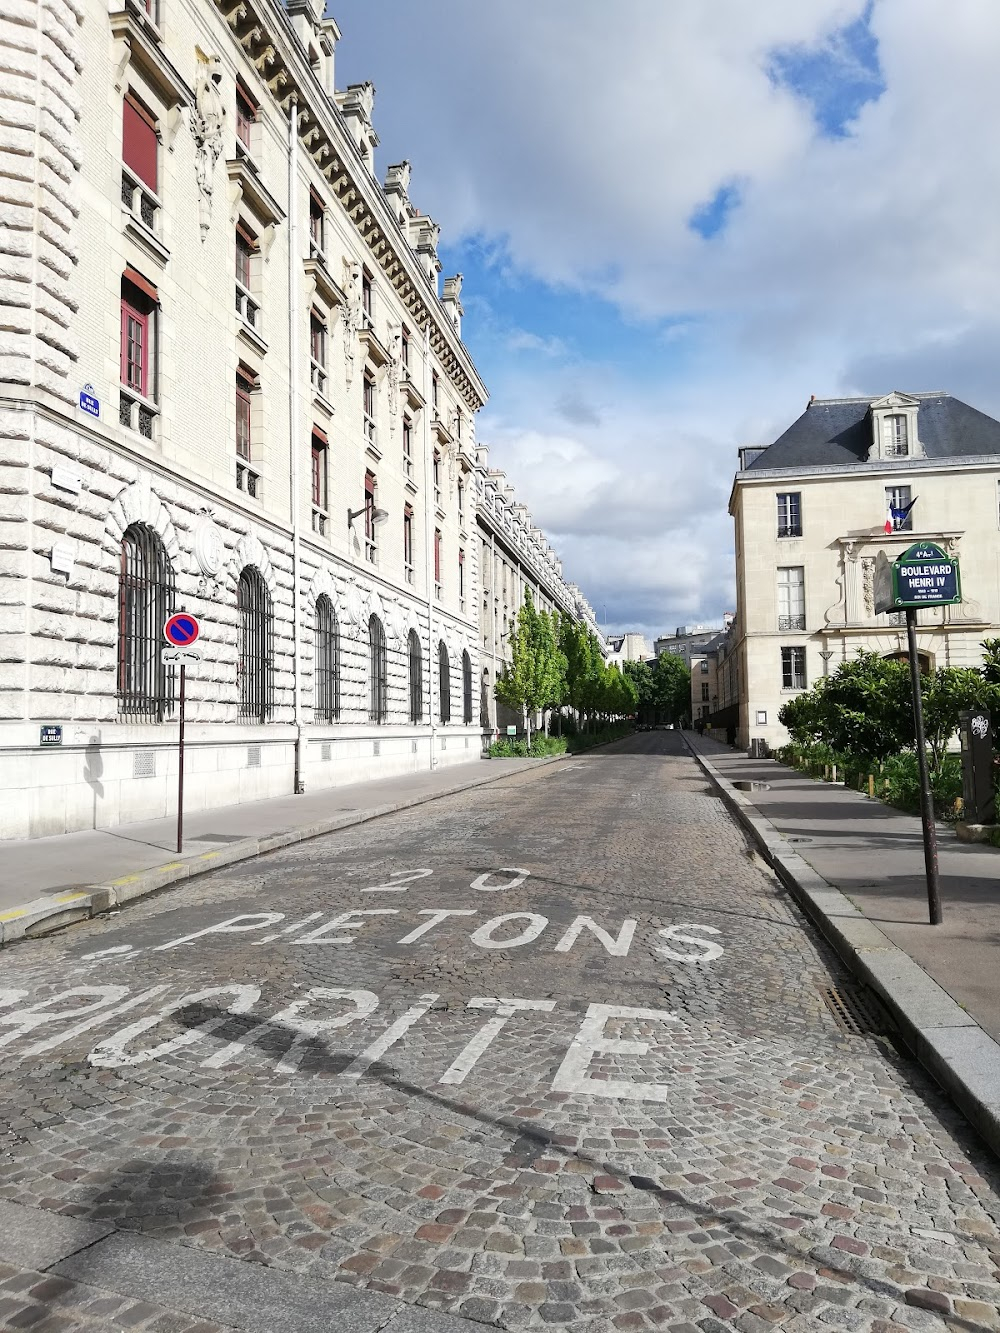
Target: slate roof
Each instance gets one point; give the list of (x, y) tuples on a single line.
[(835, 432)]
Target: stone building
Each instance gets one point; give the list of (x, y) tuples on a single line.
[(229, 384), (850, 478), (513, 557)]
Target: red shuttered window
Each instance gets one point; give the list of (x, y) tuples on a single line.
[(139, 142), (135, 348)]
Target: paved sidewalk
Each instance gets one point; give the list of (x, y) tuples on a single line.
[(48, 882), (875, 855)]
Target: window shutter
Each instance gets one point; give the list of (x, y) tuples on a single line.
[(139, 143)]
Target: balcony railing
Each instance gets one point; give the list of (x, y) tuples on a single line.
[(790, 530), (136, 413), (317, 377), (791, 622), (247, 480), (247, 308), (140, 200)]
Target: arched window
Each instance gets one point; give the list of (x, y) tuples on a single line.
[(377, 688), (255, 666), (444, 682), (145, 600), (416, 677), (484, 701), (466, 688), (326, 700)]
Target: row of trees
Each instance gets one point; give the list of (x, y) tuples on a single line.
[(663, 688), (556, 662), (865, 708)]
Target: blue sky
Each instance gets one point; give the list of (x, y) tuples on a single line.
[(675, 223)]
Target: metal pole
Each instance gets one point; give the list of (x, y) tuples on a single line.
[(926, 797), (180, 771)]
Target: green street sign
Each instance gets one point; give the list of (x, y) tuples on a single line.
[(922, 576)]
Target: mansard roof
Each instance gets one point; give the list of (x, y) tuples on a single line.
[(837, 432)]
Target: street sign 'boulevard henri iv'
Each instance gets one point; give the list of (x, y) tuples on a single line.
[(922, 576)]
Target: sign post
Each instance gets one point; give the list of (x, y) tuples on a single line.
[(923, 576), (181, 633)]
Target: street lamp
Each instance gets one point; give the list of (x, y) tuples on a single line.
[(378, 515)]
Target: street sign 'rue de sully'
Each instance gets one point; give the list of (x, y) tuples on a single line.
[(923, 575)]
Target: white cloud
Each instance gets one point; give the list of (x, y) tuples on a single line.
[(575, 139)]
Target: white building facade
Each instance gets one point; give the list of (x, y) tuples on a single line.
[(514, 557), (228, 385), (811, 513)]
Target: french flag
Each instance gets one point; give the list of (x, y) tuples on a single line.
[(889, 524)]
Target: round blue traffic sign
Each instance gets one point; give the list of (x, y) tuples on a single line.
[(181, 630)]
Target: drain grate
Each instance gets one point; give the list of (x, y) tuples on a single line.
[(856, 1011)]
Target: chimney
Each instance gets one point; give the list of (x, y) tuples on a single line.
[(451, 302)]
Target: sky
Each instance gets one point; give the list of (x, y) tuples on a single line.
[(677, 220)]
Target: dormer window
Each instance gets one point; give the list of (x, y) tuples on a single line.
[(895, 437)]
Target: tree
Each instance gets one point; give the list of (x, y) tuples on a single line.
[(945, 693), (640, 676), (803, 716), (671, 687), (864, 709), (532, 678), (584, 665)]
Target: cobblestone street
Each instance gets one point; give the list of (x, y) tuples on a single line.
[(555, 1053)]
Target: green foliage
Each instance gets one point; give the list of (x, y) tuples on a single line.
[(803, 716), (534, 677), (541, 746), (663, 688), (899, 784), (945, 693)]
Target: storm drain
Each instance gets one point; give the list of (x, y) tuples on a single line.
[(856, 1011)]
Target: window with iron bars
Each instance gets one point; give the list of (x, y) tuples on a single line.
[(378, 687), (145, 600), (793, 668), (444, 682), (466, 688), (416, 659), (326, 705), (255, 664)]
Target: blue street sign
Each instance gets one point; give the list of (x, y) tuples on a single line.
[(181, 630), (89, 401), (50, 736)]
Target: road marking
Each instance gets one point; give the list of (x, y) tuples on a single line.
[(484, 935), (308, 1029), (361, 1063), (479, 883), (619, 947), (480, 1043), (398, 880), (227, 927), (710, 950), (22, 1021), (437, 915), (573, 1074), (343, 921), (111, 1054)]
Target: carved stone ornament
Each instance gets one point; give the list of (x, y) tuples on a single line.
[(868, 585), (209, 548), (207, 119), (394, 369), (354, 606), (351, 314)]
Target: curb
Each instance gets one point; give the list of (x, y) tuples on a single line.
[(947, 1041), (44, 916)]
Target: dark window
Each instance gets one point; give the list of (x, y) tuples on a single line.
[(377, 682), (244, 388), (317, 340), (461, 576), (145, 600), (245, 247), (408, 542), (246, 114), (466, 688), (366, 295), (416, 677), (405, 347), (793, 668), (434, 391), (327, 698), (255, 665), (139, 141), (370, 489), (318, 472), (407, 446), (461, 502), (437, 560), (316, 222), (790, 514), (484, 701), (444, 683), (704, 690)]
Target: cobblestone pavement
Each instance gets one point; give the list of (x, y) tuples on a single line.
[(576, 1069)]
